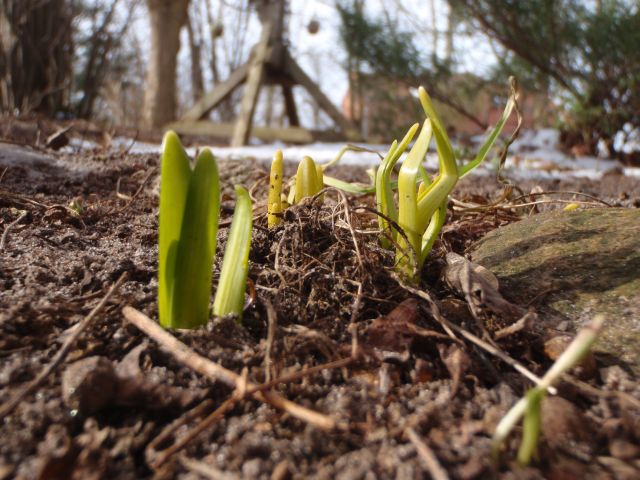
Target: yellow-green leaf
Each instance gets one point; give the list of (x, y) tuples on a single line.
[(235, 265), (191, 290), (175, 174)]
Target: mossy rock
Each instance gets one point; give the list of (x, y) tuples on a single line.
[(578, 263)]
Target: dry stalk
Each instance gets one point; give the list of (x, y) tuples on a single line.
[(185, 355), (5, 234), (138, 191), (428, 457)]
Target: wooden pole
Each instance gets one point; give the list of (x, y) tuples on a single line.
[(242, 129)]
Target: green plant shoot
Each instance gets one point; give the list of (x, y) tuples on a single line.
[(235, 265), (531, 425), (274, 206), (529, 405), (408, 214), (422, 214), (307, 181), (384, 190), (189, 209)]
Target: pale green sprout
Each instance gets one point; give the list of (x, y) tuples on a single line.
[(235, 264), (384, 189), (529, 405), (188, 223), (274, 205), (408, 214), (308, 180), (422, 213)]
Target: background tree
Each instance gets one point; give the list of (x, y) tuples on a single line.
[(99, 48), (384, 61), (585, 54), (36, 48), (166, 18)]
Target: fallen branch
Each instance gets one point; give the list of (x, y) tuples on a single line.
[(185, 355), (10, 404)]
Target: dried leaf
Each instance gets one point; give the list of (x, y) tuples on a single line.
[(392, 335), (479, 287), (58, 139), (457, 362)]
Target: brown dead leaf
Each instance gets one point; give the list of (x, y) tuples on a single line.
[(457, 362), (391, 334), (479, 287)]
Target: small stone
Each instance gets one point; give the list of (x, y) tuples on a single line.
[(89, 385), (563, 423), (555, 346)]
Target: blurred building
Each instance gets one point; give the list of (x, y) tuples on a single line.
[(384, 108)]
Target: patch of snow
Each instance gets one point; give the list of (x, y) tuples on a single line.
[(534, 155)]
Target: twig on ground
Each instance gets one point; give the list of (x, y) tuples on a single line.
[(138, 191), (449, 326), (204, 469), (428, 457), (5, 234), (524, 322), (8, 406), (496, 352), (185, 355), (150, 451), (272, 318), (157, 458), (305, 372), (561, 192)]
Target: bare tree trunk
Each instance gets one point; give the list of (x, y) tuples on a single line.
[(195, 48), (166, 18), (214, 31), (434, 25), (449, 36), (102, 44)]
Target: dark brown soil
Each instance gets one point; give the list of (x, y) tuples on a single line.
[(85, 225)]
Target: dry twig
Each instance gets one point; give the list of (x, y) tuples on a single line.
[(135, 195), (428, 457), (449, 326), (185, 355), (5, 234)]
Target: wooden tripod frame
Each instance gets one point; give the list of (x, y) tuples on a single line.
[(270, 64)]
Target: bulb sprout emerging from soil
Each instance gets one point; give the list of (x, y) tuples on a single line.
[(274, 205), (189, 213), (422, 202), (188, 224), (529, 406), (235, 265)]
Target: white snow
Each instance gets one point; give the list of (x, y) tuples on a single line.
[(535, 154)]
